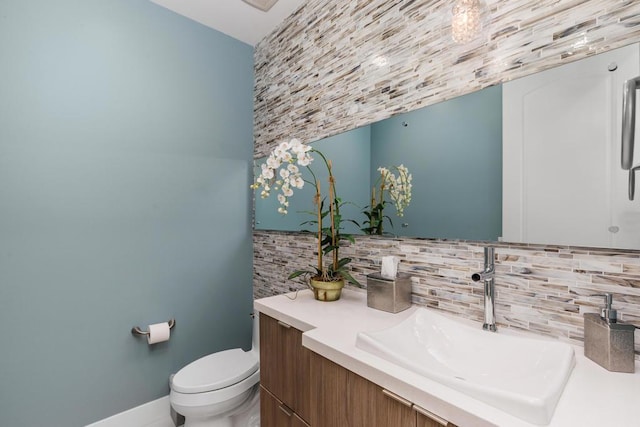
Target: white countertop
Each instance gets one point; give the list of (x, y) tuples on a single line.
[(593, 396)]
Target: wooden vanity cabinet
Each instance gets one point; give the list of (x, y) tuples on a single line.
[(284, 374), (423, 421), (300, 388), (343, 398)]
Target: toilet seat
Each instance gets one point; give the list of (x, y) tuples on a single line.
[(215, 371)]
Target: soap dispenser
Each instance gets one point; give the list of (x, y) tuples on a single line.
[(608, 343)]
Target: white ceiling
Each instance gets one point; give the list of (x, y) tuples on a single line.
[(234, 17)]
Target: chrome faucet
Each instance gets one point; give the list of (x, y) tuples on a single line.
[(487, 275)]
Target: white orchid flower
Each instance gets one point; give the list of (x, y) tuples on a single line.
[(287, 191), (304, 159), (281, 171)]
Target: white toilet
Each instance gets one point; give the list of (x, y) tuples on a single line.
[(221, 389)]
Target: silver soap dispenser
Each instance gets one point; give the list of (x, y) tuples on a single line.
[(608, 343)]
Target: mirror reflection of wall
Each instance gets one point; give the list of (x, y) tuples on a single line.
[(562, 130), (559, 180), (454, 152), (453, 149)]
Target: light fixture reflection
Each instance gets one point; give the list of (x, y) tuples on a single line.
[(466, 20), (380, 61)]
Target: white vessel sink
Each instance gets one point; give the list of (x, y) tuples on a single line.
[(522, 376)]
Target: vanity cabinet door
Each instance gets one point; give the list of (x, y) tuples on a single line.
[(328, 393), (298, 422), (426, 419), (303, 386), (343, 398), (362, 400), (284, 364), (394, 410)]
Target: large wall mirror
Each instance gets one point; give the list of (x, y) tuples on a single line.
[(534, 160)]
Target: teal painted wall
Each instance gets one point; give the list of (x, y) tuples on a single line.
[(125, 153), (453, 149)]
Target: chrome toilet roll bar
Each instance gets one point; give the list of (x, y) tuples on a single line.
[(137, 331)]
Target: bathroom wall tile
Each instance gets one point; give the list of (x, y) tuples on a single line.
[(600, 266), (513, 281), (315, 77), (316, 70), (547, 301), (630, 284)]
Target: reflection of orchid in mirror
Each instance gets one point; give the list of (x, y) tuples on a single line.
[(399, 190)]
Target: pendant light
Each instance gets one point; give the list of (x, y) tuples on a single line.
[(467, 20)]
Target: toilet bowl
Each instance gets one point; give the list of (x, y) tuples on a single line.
[(221, 389)]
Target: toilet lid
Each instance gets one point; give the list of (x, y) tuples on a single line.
[(215, 371)]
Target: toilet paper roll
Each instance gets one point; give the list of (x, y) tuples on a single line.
[(158, 332)]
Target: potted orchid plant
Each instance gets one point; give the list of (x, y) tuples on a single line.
[(398, 187), (281, 172)]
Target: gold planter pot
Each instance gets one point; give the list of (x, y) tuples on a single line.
[(327, 291)]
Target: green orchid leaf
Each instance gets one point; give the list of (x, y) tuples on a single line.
[(343, 262), (347, 276), (298, 273)]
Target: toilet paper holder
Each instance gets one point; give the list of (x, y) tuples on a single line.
[(137, 331)]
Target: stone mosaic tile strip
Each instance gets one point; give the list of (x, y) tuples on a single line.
[(548, 298), (317, 74), (315, 77)]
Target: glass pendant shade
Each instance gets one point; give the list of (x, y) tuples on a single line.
[(467, 18)]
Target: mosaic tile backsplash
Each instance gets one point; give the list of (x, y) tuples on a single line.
[(336, 65), (543, 289)]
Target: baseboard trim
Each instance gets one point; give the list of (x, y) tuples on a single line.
[(150, 413)]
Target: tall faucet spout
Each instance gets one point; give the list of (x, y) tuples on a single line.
[(489, 306), (483, 275), (488, 277)]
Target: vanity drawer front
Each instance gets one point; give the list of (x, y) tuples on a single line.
[(284, 364), (274, 413), (426, 419), (343, 398)]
